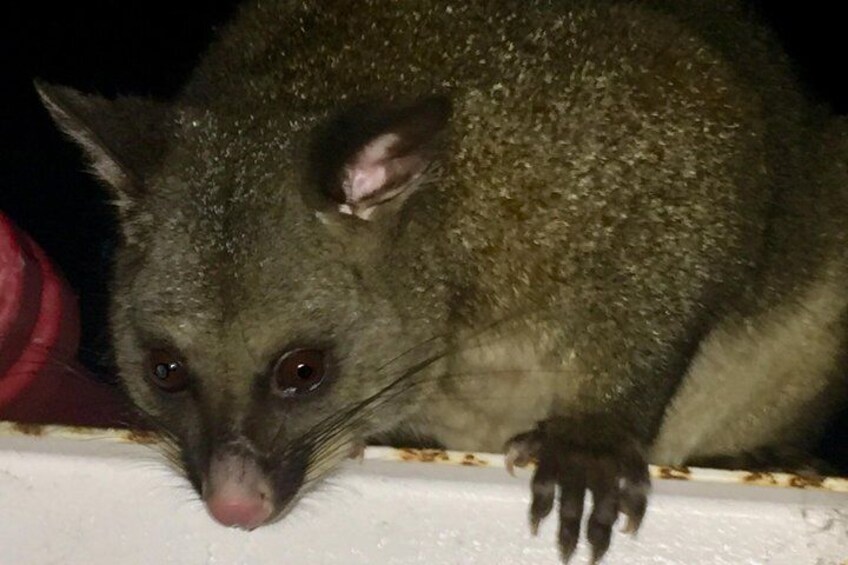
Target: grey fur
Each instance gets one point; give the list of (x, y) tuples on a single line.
[(619, 183)]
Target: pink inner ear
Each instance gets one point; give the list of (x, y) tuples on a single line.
[(375, 168), (363, 182)]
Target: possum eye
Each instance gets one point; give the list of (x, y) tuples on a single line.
[(299, 371), (167, 371)]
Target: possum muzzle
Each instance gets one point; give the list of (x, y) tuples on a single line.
[(243, 490)]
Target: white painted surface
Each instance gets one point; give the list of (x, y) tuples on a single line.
[(92, 501)]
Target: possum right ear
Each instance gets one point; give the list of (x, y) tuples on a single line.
[(123, 138), (371, 157)]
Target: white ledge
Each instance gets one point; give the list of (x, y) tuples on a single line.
[(106, 496)]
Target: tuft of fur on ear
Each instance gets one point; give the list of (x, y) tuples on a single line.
[(371, 156), (124, 138)]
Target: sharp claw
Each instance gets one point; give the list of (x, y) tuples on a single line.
[(618, 483), (513, 460), (534, 527), (631, 527), (520, 451), (598, 552), (510, 467), (566, 553)]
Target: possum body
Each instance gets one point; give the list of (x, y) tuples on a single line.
[(589, 233)]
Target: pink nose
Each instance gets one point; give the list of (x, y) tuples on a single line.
[(240, 512), (237, 492)]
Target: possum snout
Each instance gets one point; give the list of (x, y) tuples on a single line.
[(237, 492)]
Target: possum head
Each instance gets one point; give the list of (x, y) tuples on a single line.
[(257, 318)]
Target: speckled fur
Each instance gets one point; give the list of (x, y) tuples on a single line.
[(621, 180), (769, 376)]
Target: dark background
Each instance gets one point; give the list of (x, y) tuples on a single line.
[(148, 48)]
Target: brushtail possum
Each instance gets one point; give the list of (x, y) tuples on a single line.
[(591, 233)]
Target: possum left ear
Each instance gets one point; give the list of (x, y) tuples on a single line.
[(123, 138), (370, 159)]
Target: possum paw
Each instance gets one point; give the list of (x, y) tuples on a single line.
[(573, 456)]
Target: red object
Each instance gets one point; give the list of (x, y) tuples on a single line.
[(40, 379)]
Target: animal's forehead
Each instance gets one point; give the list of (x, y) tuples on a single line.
[(208, 276), (231, 248), (214, 286), (219, 210)]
